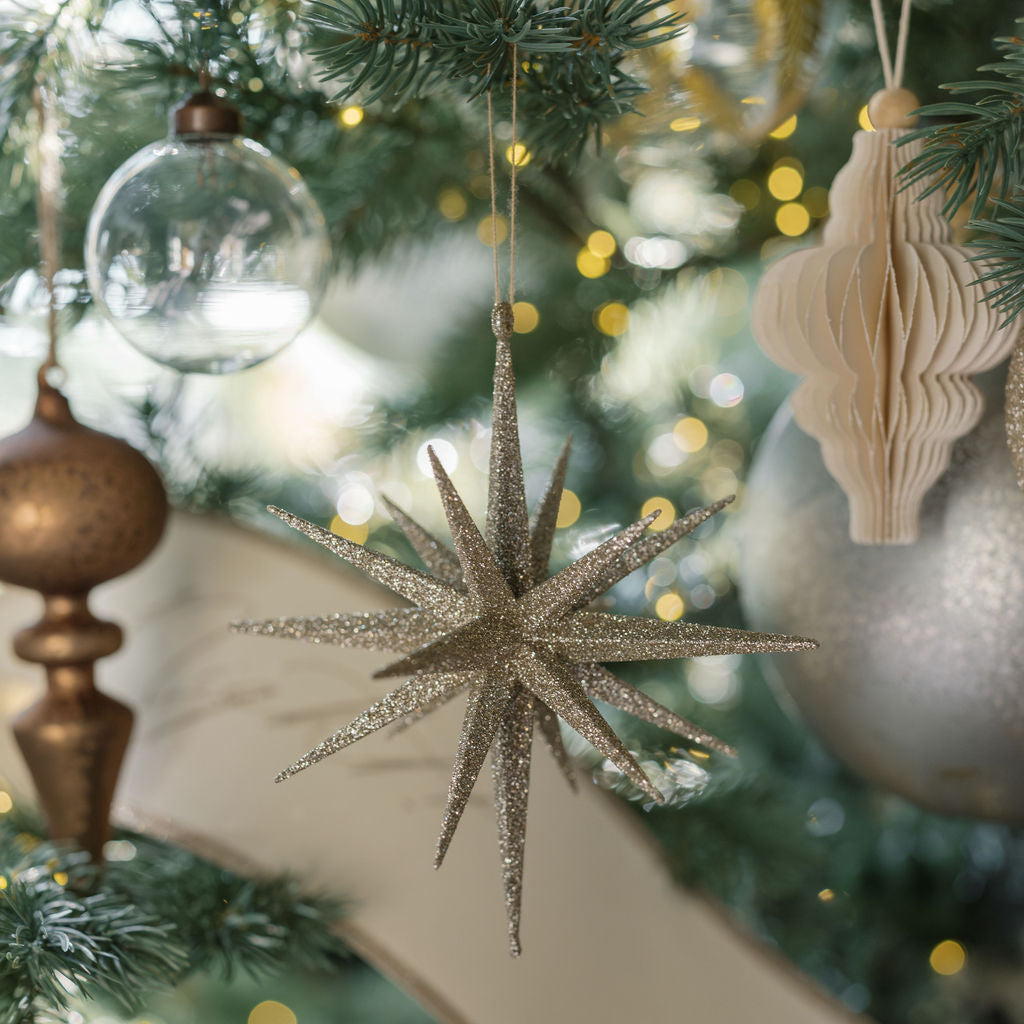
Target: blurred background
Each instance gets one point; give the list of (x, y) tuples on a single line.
[(635, 272)]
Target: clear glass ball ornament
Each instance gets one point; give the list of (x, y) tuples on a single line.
[(207, 253)]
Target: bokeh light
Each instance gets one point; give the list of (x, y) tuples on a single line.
[(662, 505), (864, 120), (745, 192), (669, 607), (351, 115), (569, 509), (601, 243), (785, 182), (452, 204), (525, 317), (518, 154), (446, 453), (726, 390), (612, 318), (784, 130), (947, 958), (792, 219), (591, 265), (815, 199), (355, 532), (690, 434), (272, 1012), (685, 124), (489, 235)]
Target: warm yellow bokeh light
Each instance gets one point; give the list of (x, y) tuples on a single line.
[(590, 265), (685, 124), (488, 234), (612, 318), (518, 154), (826, 895), (6, 803), (785, 129), (452, 204), (690, 434), (816, 201), (785, 182), (662, 505), (745, 192), (351, 115), (272, 1012), (864, 121), (525, 317), (601, 243), (256, 85), (669, 607), (948, 957), (60, 877), (753, 101), (3, 883), (355, 533), (792, 219), (569, 509)]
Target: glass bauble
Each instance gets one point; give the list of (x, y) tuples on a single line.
[(916, 684), (207, 253)]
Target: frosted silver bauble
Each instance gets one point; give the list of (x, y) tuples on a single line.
[(207, 253), (918, 684)]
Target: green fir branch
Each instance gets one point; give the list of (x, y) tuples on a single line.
[(569, 61), (69, 932), (980, 151)]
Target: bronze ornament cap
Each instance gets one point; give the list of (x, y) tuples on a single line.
[(204, 113)]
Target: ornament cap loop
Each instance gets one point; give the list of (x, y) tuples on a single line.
[(204, 113)]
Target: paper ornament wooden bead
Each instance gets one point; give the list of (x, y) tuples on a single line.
[(884, 323)]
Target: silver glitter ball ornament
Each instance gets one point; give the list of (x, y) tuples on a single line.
[(918, 683)]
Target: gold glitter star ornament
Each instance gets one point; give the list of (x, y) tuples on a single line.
[(487, 619)]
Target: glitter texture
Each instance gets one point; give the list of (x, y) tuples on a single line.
[(489, 619), (1015, 411)]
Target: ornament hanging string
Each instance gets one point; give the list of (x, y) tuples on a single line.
[(48, 212), (892, 71), (501, 318)]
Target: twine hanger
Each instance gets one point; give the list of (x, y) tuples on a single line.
[(892, 71), (502, 317)]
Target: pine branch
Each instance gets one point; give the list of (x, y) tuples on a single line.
[(980, 152), (68, 932), (570, 59)]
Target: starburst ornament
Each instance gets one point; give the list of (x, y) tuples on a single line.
[(489, 620)]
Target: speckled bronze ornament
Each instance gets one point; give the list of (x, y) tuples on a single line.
[(919, 681), (524, 645), (77, 507)]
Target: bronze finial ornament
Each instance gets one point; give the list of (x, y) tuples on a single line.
[(77, 508)]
